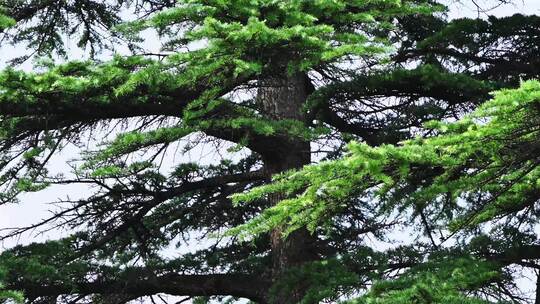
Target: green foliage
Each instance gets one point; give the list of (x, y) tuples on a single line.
[(254, 35), (324, 281), (5, 21), (98, 83), (130, 142), (488, 155), (434, 282), (34, 262), (42, 25), (9, 294)]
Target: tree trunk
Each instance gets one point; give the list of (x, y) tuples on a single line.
[(284, 98)]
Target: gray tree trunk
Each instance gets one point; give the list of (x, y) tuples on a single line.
[(284, 98)]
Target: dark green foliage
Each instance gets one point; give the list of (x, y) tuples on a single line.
[(42, 24), (322, 280)]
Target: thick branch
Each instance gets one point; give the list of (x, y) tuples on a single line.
[(515, 255), (238, 285), (408, 89), (508, 64)]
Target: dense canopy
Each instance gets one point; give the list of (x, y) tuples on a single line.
[(298, 151)]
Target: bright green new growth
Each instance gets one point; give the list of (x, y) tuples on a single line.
[(490, 155), (5, 21), (11, 295), (304, 33), (435, 282)]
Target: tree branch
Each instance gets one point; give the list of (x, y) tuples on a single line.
[(237, 285)]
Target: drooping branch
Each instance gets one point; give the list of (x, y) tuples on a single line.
[(496, 49), (373, 106), (144, 206), (160, 197)]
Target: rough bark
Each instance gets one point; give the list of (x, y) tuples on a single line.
[(284, 98)]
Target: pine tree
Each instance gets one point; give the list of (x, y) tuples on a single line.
[(336, 123)]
